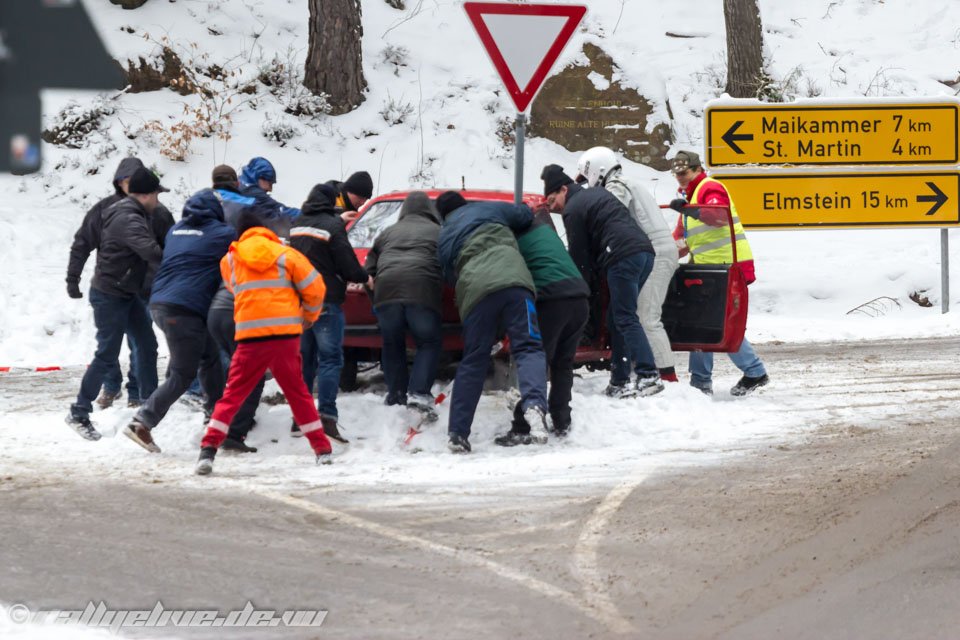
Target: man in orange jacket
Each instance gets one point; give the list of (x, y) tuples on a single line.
[(276, 294)]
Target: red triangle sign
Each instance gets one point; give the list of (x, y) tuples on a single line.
[(523, 41)]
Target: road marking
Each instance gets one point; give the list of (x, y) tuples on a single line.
[(585, 562), (603, 612)]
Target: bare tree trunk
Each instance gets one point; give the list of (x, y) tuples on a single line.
[(334, 63), (745, 76)]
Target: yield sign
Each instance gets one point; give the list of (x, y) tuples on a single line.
[(523, 41)]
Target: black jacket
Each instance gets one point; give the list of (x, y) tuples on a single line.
[(87, 238), (129, 254), (600, 230), (404, 257), (318, 233)]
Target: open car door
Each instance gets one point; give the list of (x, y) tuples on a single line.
[(706, 304)]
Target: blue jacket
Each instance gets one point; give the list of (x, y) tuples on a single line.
[(256, 169), (478, 251), (189, 273)]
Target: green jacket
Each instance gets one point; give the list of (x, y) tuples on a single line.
[(552, 268), (489, 261)]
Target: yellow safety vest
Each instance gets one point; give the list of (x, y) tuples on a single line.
[(711, 245)]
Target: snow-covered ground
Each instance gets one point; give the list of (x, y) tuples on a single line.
[(426, 59)]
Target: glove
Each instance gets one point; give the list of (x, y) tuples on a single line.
[(73, 290), (677, 204)]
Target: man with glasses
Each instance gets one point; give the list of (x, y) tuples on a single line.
[(706, 235)]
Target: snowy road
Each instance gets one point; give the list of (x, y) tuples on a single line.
[(827, 507)]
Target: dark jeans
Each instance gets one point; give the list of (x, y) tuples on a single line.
[(423, 324), (190, 346), (561, 323), (114, 378), (628, 342), (508, 310), (114, 316), (221, 326), (321, 348)]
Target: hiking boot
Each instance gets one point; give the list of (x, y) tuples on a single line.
[(133, 403), (512, 438), (537, 419), (648, 386), (239, 446), (332, 430), (82, 426), (707, 391), (458, 444), (620, 391), (205, 463), (560, 428), (748, 385), (139, 433), (425, 405), (106, 398)]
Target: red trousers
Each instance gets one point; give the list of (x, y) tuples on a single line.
[(250, 361)]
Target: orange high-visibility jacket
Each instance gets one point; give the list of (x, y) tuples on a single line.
[(275, 287)]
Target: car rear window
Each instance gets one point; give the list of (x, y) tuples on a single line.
[(375, 219)]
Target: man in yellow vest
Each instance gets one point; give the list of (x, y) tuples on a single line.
[(706, 235)]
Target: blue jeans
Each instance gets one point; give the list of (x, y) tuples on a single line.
[(423, 324), (321, 348), (628, 342), (114, 379), (114, 316), (511, 310), (701, 365)]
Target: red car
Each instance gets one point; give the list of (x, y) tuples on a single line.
[(705, 310)]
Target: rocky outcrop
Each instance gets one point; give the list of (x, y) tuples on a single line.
[(583, 106)]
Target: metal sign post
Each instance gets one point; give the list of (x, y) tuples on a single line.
[(944, 271), (518, 169)]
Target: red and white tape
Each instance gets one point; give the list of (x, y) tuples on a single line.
[(41, 369)]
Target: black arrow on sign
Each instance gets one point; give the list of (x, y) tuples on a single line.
[(731, 137), (938, 198)]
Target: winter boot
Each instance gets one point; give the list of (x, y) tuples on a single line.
[(133, 403), (537, 419), (139, 433), (648, 386), (106, 398), (512, 438), (205, 463), (237, 445), (749, 385), (332, 430), (82, 426), (620, 391), (425, 405), (561, 429), (458, 444)]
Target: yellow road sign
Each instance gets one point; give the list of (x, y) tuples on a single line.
[(833, 134), (776, 201)]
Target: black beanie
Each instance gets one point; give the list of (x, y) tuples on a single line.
[(359, 184), (448, 202), (248, 219), (553, 178), (322, 193), (144, 182)]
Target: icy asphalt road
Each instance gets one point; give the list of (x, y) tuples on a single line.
[(840, 520)]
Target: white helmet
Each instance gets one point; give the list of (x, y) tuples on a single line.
[(596, 163)]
